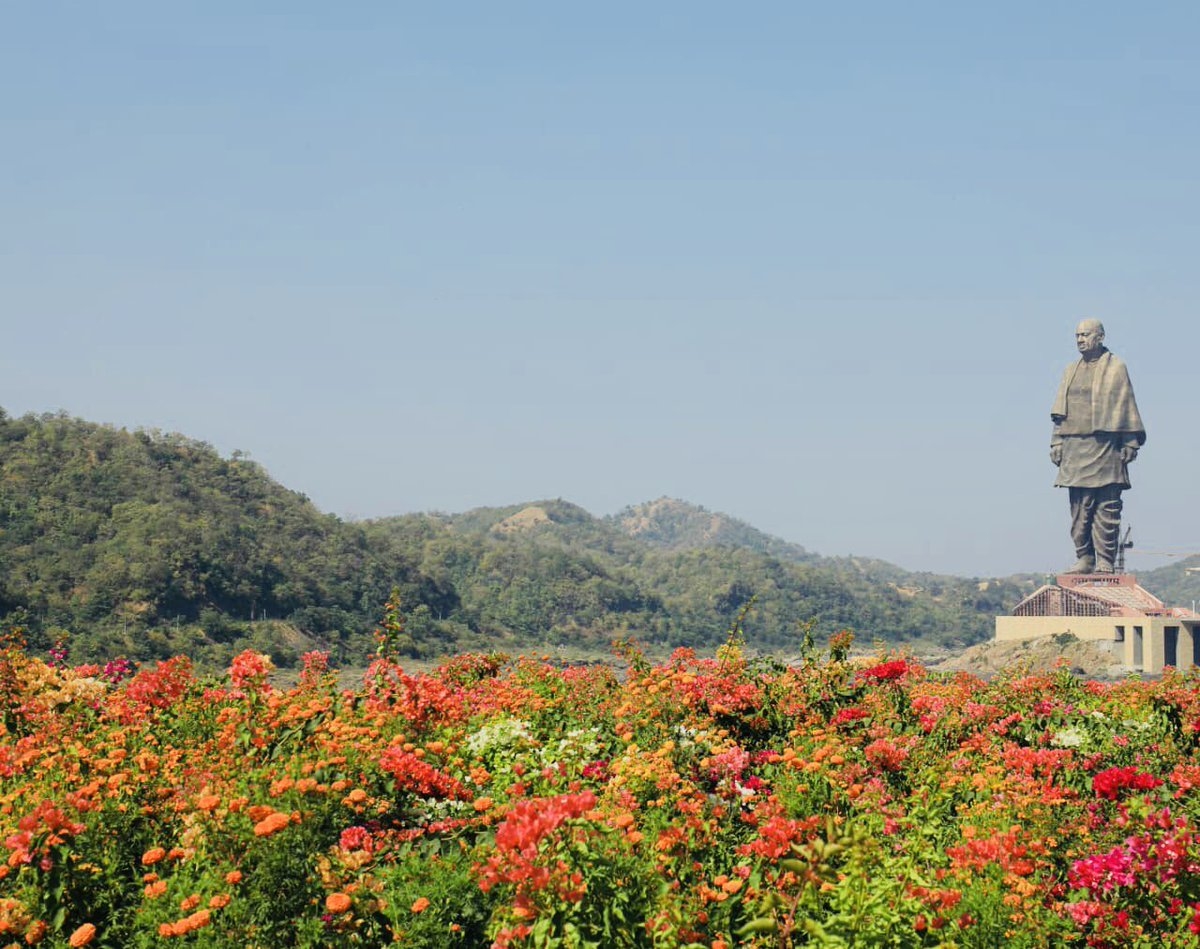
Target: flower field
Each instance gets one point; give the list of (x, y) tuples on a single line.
[(712, 802)]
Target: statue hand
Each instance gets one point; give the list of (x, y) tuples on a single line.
[(1128, 454), (1056, 454)]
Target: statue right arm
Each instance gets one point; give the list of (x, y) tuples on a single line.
[(1056, 447)]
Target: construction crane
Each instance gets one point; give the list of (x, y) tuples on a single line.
[(1125, 545)]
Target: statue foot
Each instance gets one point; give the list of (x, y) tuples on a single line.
[(1103, 566), (1085, 565)]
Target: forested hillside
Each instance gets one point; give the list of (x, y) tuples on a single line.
[(145, 544), (1177, 584)]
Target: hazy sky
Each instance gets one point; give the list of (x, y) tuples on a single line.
[(814, 265)]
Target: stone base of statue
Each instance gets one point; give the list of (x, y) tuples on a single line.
[(1113, 611)]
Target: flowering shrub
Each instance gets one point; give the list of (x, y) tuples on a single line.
[(1110, 783), (711, 802)]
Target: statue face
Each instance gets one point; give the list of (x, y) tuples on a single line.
[(1089, 337)]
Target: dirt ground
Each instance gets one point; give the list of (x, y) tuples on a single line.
[(1084, 659)]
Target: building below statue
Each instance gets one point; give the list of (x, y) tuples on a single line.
[(1113, 611)]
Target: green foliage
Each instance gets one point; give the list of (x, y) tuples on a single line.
[(147, 545), (1177, 583)]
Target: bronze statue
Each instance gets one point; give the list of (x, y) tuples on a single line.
[(1097, 433)]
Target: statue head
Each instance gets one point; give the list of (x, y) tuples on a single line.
[(1089, 338)]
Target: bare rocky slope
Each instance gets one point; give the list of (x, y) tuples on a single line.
[(987, 659)]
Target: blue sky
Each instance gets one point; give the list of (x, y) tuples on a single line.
[(814, 265)]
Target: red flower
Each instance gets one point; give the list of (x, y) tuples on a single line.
[(846, 715), (414, 775), (887, 671), (249, 669), (357, 838), (1109, 784)]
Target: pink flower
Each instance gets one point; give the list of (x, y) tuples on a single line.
[(357, 838), (249, 669)]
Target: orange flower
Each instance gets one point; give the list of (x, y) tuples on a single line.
[(271, 824), (181, 927), (337, 902), (82, 936), (220, 901), (152, 856), (420, 905), (198, 919), (233, 877), (189, 903), (207, 802), (482, 804), (156, 889), (36, 932), (259, 812)]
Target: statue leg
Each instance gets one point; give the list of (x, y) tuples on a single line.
[(1106, 526), (1083, 513)]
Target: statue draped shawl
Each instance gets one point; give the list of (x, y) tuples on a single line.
[(1114, 408)]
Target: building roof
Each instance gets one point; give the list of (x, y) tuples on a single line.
[(1114, 594)]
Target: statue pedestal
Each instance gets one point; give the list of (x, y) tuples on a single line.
[(1113, 610)]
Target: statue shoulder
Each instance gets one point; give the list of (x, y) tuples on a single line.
[(1116, 365)]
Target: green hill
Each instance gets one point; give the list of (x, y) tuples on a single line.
[(678, 525), (1174, 584), (145, 544), (673, 574)]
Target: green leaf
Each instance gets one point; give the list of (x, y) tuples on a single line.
[(763, 924)]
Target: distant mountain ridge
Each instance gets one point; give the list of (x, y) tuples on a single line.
[(145, 544), (673, 524), (678, 525)]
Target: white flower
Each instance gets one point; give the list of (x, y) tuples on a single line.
[(504, 733), (1069, 737)]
